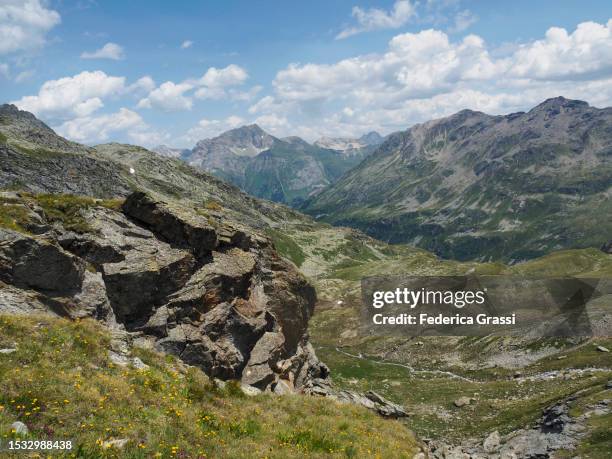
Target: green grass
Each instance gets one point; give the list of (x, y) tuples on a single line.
[(287, 247), (63, 208), (13, 215), (61, 383)]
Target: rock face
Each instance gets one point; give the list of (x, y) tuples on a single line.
[(473, 186), (207, 290)]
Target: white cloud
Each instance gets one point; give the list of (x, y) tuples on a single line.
[(213, 85), (24, 24), (245, 96), (231, 75), (426, 74), (108, 51), (145, 84), (586, 51), (169, 97), (76, 96), (375, 18), (207, 128), (462, 21), (91, 129), (186, 44)]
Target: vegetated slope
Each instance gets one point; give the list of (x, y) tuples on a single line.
[(283, 170), (60, 382), (480, 187)]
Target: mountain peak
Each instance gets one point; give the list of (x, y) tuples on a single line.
[(371, 138), (556, 103)]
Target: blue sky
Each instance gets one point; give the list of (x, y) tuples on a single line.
[(152, 72)]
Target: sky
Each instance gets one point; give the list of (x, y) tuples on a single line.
[(157, 72)]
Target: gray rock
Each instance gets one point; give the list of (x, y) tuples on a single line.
[(462, 401), (370, 400), (249, 390), (139, 364), (283, 387), (20, 428), (492, 442), (603, 349), (8, 351), (38, 264)]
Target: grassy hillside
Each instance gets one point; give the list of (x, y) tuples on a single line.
[(62, 385)]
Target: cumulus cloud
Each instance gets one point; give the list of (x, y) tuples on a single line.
[(213, 85), (24, 24), (108, 51), (89, 129), (76, 96), (169, 97), (186, 44), (376, 19), (426, 74)]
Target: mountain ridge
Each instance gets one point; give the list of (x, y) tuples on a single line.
[(474, 186)]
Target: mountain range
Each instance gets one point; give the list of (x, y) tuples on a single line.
[(287, 170), (476, 186)]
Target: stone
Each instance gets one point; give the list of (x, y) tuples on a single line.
[(249, 390), (462, 401), (8, 351), (20, 428), (284, 387), (117, 443), (603, 349), (139, 364), (492, 442), (260, 369)]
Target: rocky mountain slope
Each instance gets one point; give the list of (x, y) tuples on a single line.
[(285, 170), (475, 186)]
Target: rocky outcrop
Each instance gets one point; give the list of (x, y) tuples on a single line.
[(369, 399), (607, 247), (555, 430), (206, 289)]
